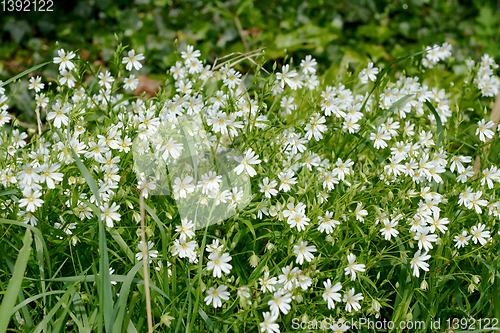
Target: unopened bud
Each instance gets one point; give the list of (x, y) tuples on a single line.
[(254, 260)]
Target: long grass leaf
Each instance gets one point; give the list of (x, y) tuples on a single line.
[(34, 298), (106, 299), (440, 133), (7, 192), (52, 312), (121, 304), (26, 72), (36, 232), (10, 297), (382, 74)]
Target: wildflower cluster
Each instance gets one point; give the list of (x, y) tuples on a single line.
[(281, 191)]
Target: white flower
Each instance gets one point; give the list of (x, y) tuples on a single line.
[(304, 281), (304, 252), (342, 168), (28, 174), (359, 212), (219, 264), (308, 65), (268, 188), (330, 181), (173, 149), (130, 83), (186, 230), (190, 54), (246, 162), (110, 213), (184, 249), (66, 227), (64, 60), (425, 239), (462, 240), (182, 187), (286, 76), (464, 175), (150, 254), (326, 223), (267, 284), (49, 174), (380, 137), (389, 230), (105, 79), (215, 247), (269, 324), (31, 200), (67, 78), (41, 101), (133, 60), (232, 79), (353, 266), (216, 296), (243, 293), (331, 295), (418, 261), (287, 179), (456, 162), (436, 223), (490, 174), (289, 277), (146, 186), (298, 220), (280, 302), (479, 235), (465, 197), (59, 115), (476, 202), (368, 73), (35, 83), (484, 131), (351, 300)]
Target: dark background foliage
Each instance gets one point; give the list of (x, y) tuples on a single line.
[(332, 31)]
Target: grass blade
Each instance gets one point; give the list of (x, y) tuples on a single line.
[(121, 304), (15, 282), (440, 133), (52, 312), (34, 298), (106, 299), (7, 192), (29, 70)]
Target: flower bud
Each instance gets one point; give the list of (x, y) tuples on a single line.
[(424, 285), (376, 306), (254, 260)]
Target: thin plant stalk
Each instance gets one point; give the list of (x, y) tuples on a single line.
[(145, 266)]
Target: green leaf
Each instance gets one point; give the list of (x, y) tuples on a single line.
[(88, 177), (393, 107), (34, 68), (440, 133), (384, 71), (52, 312), (10, 297), (121, 304), (7, 192), (105, 294), (34, 298)]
